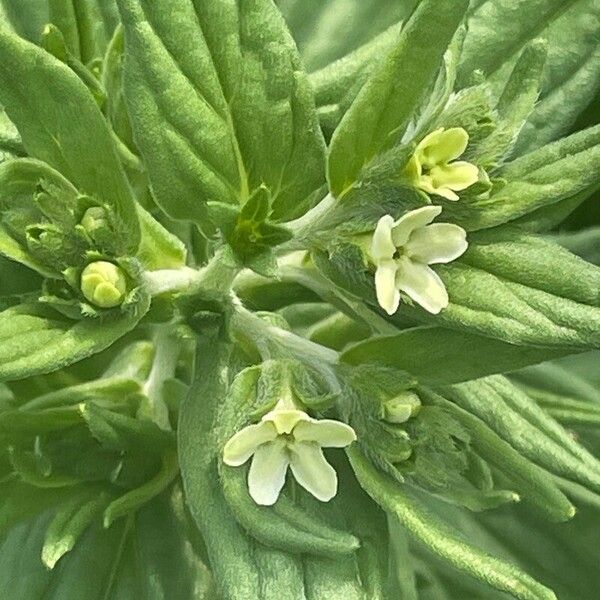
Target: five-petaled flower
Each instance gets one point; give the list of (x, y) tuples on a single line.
[(401, 252), (288, 437), (431, 168)]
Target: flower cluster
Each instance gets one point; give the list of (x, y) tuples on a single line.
[(402, 250)]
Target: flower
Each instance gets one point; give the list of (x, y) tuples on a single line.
[(103, 284), (401, 252), (431, 170), (286, 437)]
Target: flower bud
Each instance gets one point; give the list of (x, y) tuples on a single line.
[(94, 218), (103, 284), (402, 407)]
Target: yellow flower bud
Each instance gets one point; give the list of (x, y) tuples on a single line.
[(402, 407), (93, 218), (103, 284)]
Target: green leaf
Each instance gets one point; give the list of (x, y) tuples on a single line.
[(512, 286), (26, 17), (326, 30), (220, 105), (498, 30), (382, 110), (437, 355), (549, 175), (159, 249), (507, 411), (21, 180), (440, 538), (149, 556), (571, 79), (337, 85), (286, 526), (122, 433), (60, 123), (231, 552), (134, 499), (69, 524), (515, 104), (36, 339), (21, 502), (87, 25), (534, 485), (21, 423), (334, 579), (108, 390)]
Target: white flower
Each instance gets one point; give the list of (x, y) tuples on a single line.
[(401, 252), (431, 168), (288, 437)]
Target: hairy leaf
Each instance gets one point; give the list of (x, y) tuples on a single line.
[(60, 123), (220, 105), (383, 108)]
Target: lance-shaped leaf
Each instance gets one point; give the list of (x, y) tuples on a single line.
[(555, 173), (326, 31), (60, 123), (555, 451), (383, 108), (37, 339), (523, 290), (149, 556), (498, 29), (227, 545), (338, 84), (516, 101), (87, 25), (571, 79), (437, 355), (26, 17), (220, 105), (440, 538)]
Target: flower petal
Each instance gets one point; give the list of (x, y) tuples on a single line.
[(429, 141), (422, 284), (385, 286), (267, 472), (382, 246), (245, 442), (456, 176), (412, 220), (437, 243), (325, 432), (443, 147), (446, 192), (413, 169), (285, 419), (312, 471)]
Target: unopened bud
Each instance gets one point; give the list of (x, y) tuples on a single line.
[(402, 407), (94, 218), (103, 284)]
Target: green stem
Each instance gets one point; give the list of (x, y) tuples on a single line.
[(272, 341), (291, 270), (164, 364), (309, 223), (214, 280)]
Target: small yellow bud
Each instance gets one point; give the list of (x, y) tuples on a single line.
[(402, 407), (93, 218), (103, 284)]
